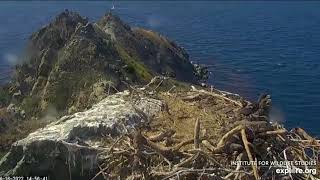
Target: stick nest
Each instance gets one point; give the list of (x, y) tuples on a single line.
[(166, 149)]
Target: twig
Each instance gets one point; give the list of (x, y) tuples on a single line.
[(246, 145), (184, 143), (161, 136), (185, 170), (158, 85), (219, 96), (168, 92), (276, 132), (197, 134), (112, 146), (288, 167), (229, 134), (208, 145), (151, 81), (228, 176), (221, 144), (302, 133), (187, 161), (104, 176)]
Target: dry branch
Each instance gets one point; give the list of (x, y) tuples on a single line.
[(302, 133), (275, 132), (161, 136), (219, 96), (222, 143), (197, 134), (246, 146)]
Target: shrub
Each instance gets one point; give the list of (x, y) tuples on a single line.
[(4, 96)]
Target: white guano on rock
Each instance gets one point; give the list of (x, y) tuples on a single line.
[(75, 139)]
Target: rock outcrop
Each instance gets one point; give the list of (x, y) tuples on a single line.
[(72, 63), (72, 144)]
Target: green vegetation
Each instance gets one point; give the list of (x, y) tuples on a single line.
[(154, 37), (17, 131), (4, 96), (75, 89), (60, 91), (2, 153), (134, 65), (30, 105)]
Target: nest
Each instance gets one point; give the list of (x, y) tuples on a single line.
[(251, 149)]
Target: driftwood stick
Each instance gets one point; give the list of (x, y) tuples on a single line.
[(275, 132), (258, 126), (138, 142), (188, 160), (168, 175), (197, 134), (186, 142), (228, 176), (102, 170), (159, 84), (154, 79), (206, 155), (225, 138), (183, 143), (112, 146), (229, 134), (281, 138), (302, 133), (288, 167), (168, 92), (305, 141), (161, 136), (246, 146), (208, 145), (166, 152), (103, 174), (219, 96)]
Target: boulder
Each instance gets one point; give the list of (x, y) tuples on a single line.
[(16, 111), (72, 144)]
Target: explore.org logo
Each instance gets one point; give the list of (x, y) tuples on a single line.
[(283, 167), (295, 170)]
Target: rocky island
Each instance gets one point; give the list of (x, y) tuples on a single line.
[(103, 100)]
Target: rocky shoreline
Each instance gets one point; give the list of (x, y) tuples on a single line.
[(105, 101)]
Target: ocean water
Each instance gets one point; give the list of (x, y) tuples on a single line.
[(253, 46)]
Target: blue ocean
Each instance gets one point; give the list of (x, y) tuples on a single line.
[(252, 47)]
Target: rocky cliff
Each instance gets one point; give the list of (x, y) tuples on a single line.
[(71, 63)]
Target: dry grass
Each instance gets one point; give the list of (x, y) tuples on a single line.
[(17, 130), (154, 37), (183, 113), (153, 153)]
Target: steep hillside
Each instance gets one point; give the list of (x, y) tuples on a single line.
[(71, 63)]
